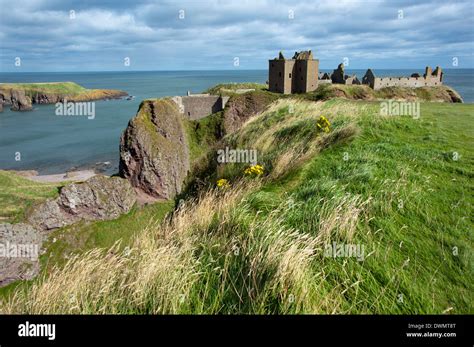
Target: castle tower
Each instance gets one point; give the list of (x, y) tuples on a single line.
[(296, 75)]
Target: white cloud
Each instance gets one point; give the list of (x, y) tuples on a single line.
[(213, 31)]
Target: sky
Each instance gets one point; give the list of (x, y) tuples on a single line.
[(117, 35)]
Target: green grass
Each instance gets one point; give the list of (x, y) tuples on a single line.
[(364, 92), (81, 237), (63, 88), (399, 187), (230, 88), (420, 213), (17, 194), (416, 177), (202, 134)]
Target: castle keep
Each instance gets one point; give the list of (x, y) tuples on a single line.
[(301, 75), (296, 75)]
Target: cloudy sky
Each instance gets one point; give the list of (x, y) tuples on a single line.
[(81, 35)]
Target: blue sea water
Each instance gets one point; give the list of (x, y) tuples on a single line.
[(52, 144)]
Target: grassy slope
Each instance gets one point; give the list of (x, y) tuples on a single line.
[(364, 92), (257, 247), (18, 193), (417, 212)]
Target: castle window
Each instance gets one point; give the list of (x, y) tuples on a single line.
[(279, 74), (189, 113), (289, 75), (273, 65)]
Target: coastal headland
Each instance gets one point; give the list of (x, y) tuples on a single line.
[(21, 96)]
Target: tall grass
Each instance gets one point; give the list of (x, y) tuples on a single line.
[(206, 258), (259, 245)]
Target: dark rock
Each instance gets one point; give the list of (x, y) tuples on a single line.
[(20, 246), (99, 198), (19, 101), (154, 154)]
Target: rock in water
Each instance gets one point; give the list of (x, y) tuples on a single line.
[(98, 198), (154, 153), (20, 245)]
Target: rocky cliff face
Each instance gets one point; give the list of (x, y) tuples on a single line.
[(99, 198), (154, 154), (20, 246), (16, 98), (242, 107)]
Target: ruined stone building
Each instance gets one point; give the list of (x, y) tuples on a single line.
[(338, 76), (429, 79), (296, 75), (300, 74)]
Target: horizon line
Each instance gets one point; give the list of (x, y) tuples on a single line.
[(204, 70)]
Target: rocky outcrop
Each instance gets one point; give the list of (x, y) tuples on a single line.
[(20, 245), (154, 154), (16, 98), (99, 198), (454, 95), (242, 107)]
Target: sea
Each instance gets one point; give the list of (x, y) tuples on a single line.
[(43, 141)]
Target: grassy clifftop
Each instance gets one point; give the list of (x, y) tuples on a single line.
[(353, 92), (363, 92), (66, 88), (55, 91), (396, 187)]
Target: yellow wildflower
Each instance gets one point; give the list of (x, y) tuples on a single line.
[(323, 124), (254, 170), (222, 183)]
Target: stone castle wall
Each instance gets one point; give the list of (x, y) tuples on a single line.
[(199, 106), (411, 82), (429, 79)]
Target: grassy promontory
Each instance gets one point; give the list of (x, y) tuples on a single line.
[(397, 187), (47, 93)]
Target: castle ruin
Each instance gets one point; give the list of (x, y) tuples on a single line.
[(296, 75), (430, 79), (301, 75)]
